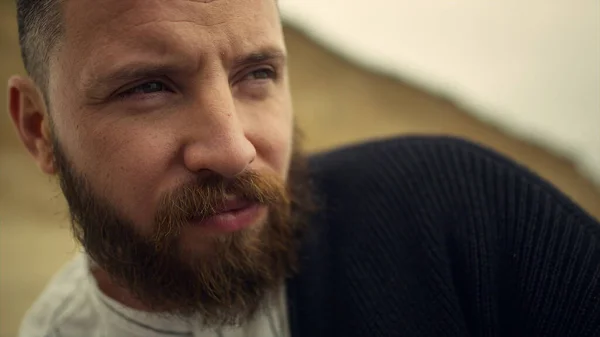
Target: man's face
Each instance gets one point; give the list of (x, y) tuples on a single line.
[(172, 128), (149, 94)]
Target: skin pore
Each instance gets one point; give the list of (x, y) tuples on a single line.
[(158, 113)]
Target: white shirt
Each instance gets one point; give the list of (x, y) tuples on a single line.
[(72, 305)]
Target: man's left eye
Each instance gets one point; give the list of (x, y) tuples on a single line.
[(261, 74)]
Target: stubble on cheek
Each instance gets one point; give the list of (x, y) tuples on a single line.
[(124, 168)]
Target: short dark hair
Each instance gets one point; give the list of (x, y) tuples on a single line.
[(40, 28)]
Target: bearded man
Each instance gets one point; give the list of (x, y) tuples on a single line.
[(169, 125)]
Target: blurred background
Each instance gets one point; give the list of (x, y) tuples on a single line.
[(521, 78)]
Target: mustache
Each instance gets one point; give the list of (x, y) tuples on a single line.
[(206, 196)]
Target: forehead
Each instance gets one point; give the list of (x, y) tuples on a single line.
[(115, 15), (123, 13), (101, 32)]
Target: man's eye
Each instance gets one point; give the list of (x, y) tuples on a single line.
[(261, 74), (145, 88)]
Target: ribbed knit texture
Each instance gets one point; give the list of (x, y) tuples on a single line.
[(435, 236)]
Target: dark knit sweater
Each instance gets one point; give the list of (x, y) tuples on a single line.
[(440, 237)]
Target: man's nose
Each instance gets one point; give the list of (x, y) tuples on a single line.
[(217, 140)]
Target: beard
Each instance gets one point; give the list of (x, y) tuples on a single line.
[(233, 276)]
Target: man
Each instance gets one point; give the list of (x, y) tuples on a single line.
[(170, 128)]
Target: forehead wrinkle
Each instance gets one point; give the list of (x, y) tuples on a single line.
[(146, 13), (185, 21), (121, 16)]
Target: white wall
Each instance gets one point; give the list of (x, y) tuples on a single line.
[(531, 67)]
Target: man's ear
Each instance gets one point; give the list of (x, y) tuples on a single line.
[(29, 114)]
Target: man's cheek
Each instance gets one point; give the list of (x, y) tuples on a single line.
[(274, 146), (280, 156), (126, 169)]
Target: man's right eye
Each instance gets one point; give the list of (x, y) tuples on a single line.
[(146, 88)]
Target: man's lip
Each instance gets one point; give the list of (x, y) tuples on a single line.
[(233, 219), (233, 205)]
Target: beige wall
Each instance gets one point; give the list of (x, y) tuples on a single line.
[(336, 103), (529, 67)]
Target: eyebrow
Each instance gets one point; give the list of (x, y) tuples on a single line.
[(268, 54), (138, 70), (130, 72)]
